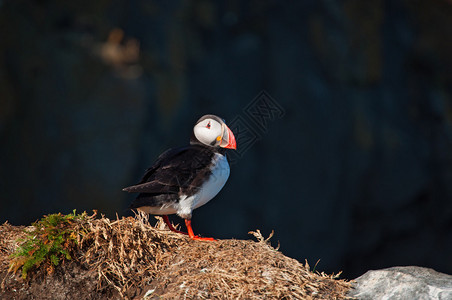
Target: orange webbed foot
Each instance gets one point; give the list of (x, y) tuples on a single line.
[(198, 238), (193, 236)]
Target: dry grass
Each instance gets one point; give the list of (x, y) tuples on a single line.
[(142, 261), (126, 252), (8, 242)]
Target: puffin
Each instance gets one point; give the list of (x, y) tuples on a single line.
[(183, 179)]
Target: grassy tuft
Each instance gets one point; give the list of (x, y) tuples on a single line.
[(50, 240)]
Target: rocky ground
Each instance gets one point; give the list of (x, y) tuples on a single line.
[(128, 258), (403, 283)]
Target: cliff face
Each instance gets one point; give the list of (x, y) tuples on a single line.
[(352, 151)]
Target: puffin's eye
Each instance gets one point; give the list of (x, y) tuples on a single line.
[(208, 125)]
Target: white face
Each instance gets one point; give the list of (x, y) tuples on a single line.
[(209, 132)]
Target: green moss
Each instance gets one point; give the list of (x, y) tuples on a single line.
[(51, 240)]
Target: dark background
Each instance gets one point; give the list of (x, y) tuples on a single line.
[(353, 167)]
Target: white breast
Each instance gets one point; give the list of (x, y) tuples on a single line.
[(218, 178), (210, 188)]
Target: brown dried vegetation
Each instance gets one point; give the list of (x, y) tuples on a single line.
[(134, 260)]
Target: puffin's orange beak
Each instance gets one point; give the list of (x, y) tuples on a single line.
[(228, 140)]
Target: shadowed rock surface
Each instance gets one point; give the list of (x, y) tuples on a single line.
[(414, 283)]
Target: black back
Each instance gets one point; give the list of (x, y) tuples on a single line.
[(179, 171)]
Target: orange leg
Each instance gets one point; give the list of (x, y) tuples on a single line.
[(193, 236), (170, 226)]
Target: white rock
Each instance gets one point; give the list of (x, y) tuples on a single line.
[(411, 283)]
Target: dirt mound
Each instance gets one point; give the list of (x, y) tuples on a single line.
[(128, 258)]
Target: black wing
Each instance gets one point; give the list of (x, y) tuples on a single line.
[(174, 171)]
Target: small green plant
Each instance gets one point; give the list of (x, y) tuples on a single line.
[(50, 241)]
